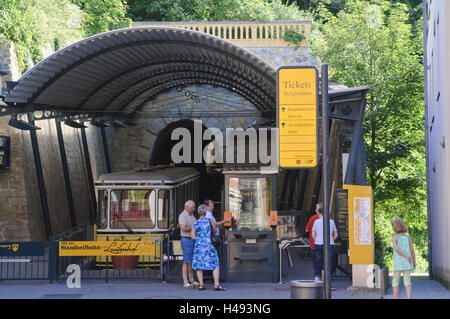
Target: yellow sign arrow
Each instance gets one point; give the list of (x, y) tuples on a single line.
[(297, 116)]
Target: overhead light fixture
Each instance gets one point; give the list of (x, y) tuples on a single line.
[(10, 85), (130, 124), (117, 123), (69, 122), (21, 125), (94, 122)]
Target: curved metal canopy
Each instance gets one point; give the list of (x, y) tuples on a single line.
[(121, 70)]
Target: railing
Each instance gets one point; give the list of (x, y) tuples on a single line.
[(41, 261), (247, 34), (25, 261)]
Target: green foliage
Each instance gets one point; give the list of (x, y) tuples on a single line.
[(294, 37), (103, 15), (372, 43), (212, 10), (34, 28)]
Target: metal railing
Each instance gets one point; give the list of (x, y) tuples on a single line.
[(25, 260), (246, 34), (41, 261)]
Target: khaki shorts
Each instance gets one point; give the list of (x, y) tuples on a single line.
[(406, 277)]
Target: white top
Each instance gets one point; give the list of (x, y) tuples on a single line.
[(211, 216), (318, 228)]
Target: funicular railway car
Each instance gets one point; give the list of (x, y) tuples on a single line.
[(143, 205)]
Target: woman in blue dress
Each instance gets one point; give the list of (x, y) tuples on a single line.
[(205, 255)]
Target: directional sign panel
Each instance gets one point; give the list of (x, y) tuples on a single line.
[(297, 97)]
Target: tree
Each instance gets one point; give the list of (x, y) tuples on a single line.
[(103, 15), (212, 10), (34, 27), (372, 43)]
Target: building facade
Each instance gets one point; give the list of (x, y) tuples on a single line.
[(437, 123)]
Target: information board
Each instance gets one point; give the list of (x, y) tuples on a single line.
[(341, 219), (360, 224), (297, 101)]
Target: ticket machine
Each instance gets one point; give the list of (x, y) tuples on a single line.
[(251, 248)]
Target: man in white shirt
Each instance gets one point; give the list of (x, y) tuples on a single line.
[(186, 221), (317, 234), (209, 209)]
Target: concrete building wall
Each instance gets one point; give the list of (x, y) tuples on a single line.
[(438, 48)]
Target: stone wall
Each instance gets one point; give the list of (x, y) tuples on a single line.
[(14, 213), (131, 147), (21, 217), (282, 56)]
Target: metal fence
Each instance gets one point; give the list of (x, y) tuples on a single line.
[(41, 261), (113, 267), (25, 261)]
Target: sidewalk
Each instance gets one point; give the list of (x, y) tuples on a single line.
[(422, 289)]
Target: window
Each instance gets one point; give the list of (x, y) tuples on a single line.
[(102, 221), (133, 209), (163, 209), (250, 202)]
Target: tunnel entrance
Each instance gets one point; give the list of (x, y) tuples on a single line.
[(211, 179)]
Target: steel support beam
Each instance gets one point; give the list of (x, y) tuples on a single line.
[(354, 149), (40, 179), (87, 160), (105, 150), (62, 152)]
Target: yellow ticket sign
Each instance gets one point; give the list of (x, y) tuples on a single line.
[(297, 98), (360, 224), (106, 248)]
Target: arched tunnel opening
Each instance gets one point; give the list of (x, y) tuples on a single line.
[(211, 180)]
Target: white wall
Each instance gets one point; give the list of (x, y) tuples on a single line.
[(438, 55)]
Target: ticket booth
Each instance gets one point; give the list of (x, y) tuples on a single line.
[(251, 248)]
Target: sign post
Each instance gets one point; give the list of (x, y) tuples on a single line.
[(297, 102), (326, 185)]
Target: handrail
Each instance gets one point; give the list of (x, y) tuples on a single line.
[(247, 34)]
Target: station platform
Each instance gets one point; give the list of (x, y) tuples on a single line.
[(422, 289)]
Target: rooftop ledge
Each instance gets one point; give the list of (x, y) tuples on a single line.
[(243, 33)]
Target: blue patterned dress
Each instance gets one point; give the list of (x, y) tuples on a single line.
[(205, 255), (400, 262)]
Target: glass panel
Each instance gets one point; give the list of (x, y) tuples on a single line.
[(134, 209), (163, 209), (250, 200), (102, 222)]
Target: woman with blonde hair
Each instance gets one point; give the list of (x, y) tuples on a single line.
[(404, 257)]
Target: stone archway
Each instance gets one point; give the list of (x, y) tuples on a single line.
[(211, 181)]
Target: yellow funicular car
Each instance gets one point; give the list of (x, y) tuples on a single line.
[(143, 204)]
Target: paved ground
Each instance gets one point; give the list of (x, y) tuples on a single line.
[(422, 289)]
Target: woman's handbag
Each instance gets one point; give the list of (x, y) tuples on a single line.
[(175, 234)]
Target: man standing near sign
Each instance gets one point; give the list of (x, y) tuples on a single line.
[(186, 221), (317, 234)]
